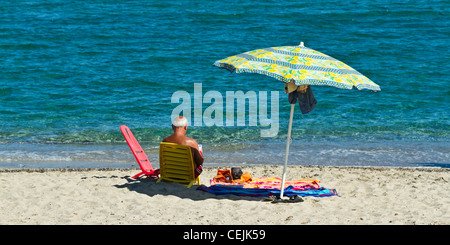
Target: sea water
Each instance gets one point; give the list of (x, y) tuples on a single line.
[(72, 72)]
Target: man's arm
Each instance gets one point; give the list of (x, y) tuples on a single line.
[(198, 158)]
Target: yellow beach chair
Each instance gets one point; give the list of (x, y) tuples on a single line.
[(176, 164)]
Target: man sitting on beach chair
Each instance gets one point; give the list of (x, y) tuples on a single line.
[(179, 126)]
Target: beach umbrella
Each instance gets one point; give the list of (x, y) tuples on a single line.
[(297, 66)]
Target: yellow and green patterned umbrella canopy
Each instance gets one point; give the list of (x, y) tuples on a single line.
[(303, 65)]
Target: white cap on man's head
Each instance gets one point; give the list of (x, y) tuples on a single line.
[(180, 122)]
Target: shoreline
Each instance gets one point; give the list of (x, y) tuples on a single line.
[(103, 196), (338, 152), (219, 166)]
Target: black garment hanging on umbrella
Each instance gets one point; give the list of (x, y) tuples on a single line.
[(306, 101)]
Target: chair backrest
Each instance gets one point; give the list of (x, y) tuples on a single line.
[(137, 150), (176, 163)]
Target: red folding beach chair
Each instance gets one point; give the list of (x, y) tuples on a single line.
[(139, 154)]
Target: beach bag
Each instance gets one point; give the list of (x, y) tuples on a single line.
[(236, 173), (223, 176)]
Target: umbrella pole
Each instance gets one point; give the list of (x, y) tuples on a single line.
[(288, 142)]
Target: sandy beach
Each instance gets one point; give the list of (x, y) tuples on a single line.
[(398, 196)]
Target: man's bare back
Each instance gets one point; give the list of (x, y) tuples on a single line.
[(181, 140)]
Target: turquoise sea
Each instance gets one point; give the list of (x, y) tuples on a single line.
[(72, 72)]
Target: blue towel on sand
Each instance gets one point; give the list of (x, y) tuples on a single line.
[(253, 192)]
